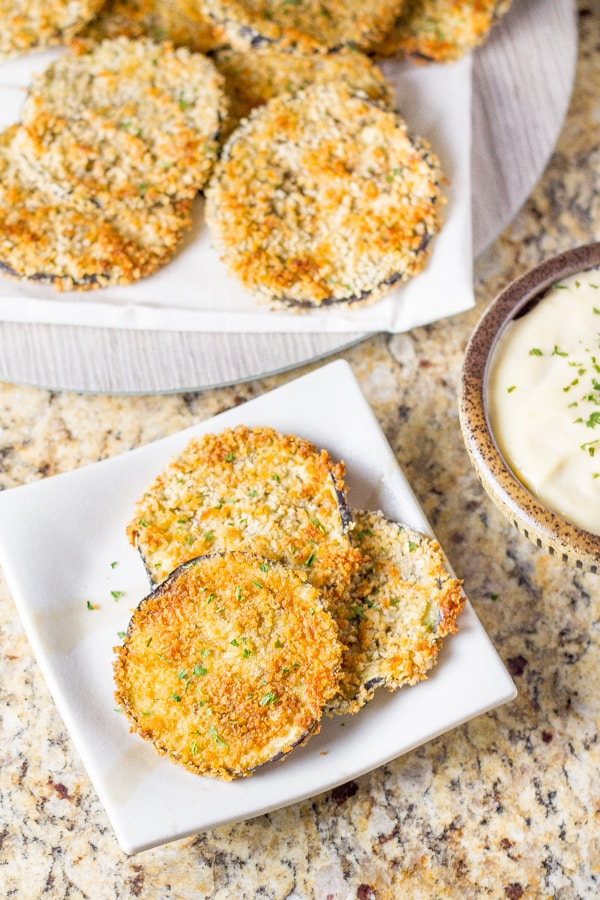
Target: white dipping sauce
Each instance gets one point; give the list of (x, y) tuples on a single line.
[(544, 399)]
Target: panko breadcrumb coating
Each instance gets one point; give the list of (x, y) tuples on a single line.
[(324, 198), (227, 664), (27, 25), (187, 24), (45, 240), (401, 605), (252, 79), (441, 30), (308, 26), (249, 489), (122, 117), (124, 18)]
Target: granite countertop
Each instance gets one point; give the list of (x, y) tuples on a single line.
[(506, 806)]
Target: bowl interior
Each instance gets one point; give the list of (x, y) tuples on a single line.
[(542, 526)]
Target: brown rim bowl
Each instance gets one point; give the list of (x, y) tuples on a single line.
[(545, 528)]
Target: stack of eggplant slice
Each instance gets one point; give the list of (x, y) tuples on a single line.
[(272, 603)]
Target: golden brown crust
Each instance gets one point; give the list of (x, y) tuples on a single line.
[(124, 18), (45, 240), (33, 24), (110, 120), (401, 605), (441, 30), (307, 26), (187, 24), (249, 489), (324, 198), (227, 665), (252, 78)]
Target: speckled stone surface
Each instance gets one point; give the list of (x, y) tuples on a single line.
[(506, 806)]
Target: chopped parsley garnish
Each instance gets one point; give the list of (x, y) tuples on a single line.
[(268, 698)]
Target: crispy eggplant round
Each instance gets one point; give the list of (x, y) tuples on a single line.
[(33, 24), (307, 26), (324, 198), (441, 30), (401, 605), (252, 80), (114, 120), (227, 664), (249, 489), (45, 240)]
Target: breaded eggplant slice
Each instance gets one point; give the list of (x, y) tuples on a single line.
[(401, 605), (308, 26), (227, 665), (166, 104), (186, 23), (252, 79), (27, 25), (45, 240), (323, 198), (249, 489), (124, 18), (441, 30)]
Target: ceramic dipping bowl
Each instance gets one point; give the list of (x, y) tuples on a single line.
[(545, 528)]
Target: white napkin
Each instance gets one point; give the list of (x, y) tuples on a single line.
[(194, 292)]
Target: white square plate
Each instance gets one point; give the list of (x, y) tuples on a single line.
[(76, 523)]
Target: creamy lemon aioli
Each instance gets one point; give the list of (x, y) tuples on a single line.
[(544, 399)]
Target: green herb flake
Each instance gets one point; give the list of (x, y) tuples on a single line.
[(263, 567), (121, 634), (535, 351), (199, 670), (230, 456), (90, 605), (268, 698), (412, 546), (218, 740), (310, 559), (512, 388), (176, 698), (358, 614), (116, 595)]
